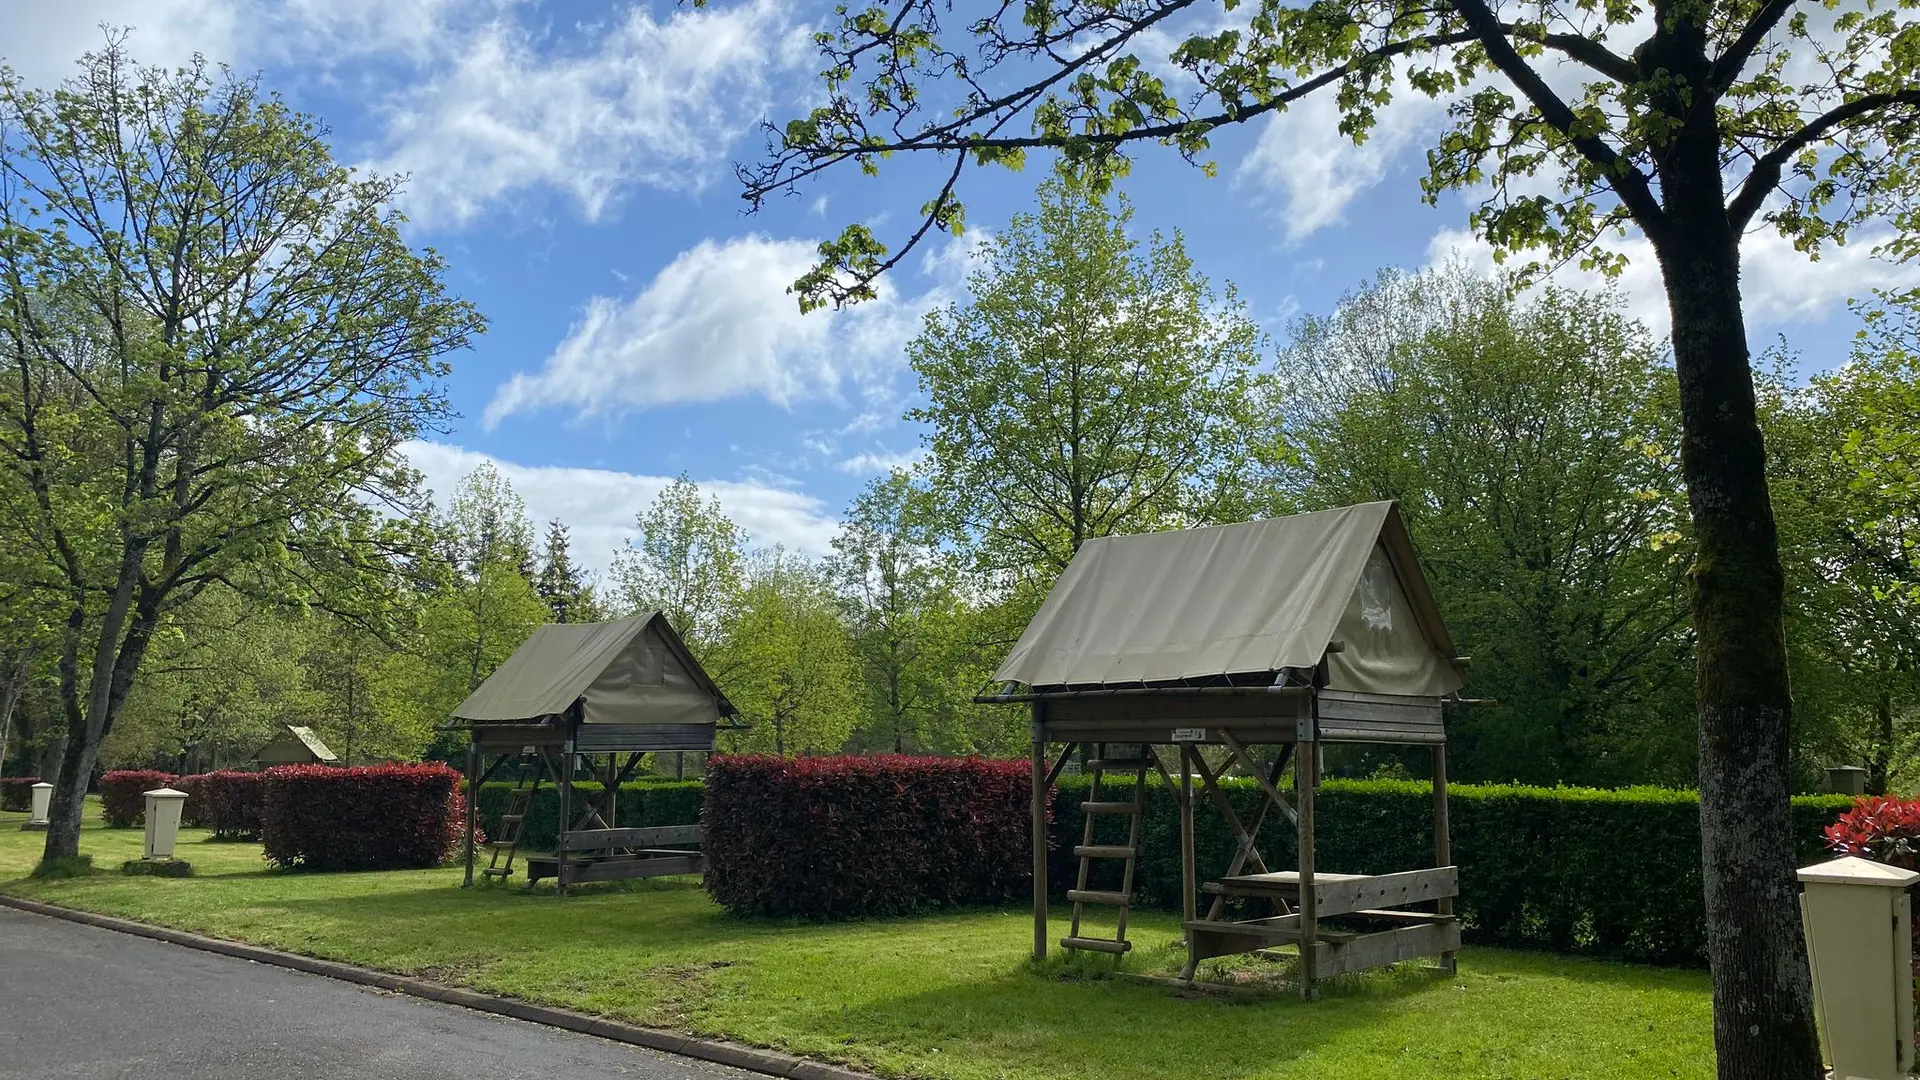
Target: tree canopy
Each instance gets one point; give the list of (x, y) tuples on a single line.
[(218, 342), (1532, 446), (1090, 385)]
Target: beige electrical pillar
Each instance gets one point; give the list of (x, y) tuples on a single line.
[(163, 821), (1860, 945), (42, 805)]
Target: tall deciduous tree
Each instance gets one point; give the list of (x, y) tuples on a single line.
[(1091, 386), (217, 342), (1846, 478), (688, 561), (908, 627), (1692, 122), (787, 662), (1533, 448)]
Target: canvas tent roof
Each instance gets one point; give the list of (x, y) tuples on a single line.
[(630, 671), (1252, 599)]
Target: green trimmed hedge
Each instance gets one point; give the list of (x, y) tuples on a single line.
[(642, 803), (1575, 870), (1613, 874)]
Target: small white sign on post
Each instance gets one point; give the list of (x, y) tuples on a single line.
[(1189, 734)]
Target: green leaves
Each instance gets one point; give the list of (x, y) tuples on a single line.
[(1533, 447), (1092, 385), (218, 342)]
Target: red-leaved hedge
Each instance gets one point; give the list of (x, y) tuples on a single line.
[(376, 817), (122, 795), (229, 802), (843, 837), (16, 792)]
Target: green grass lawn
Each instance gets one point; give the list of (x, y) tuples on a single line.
[(949, 995)]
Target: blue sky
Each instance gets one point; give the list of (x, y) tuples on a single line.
[(573, 162)]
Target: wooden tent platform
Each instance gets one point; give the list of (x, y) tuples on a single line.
[(1340, 923)]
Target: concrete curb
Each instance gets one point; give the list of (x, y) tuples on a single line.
[(737, 1055)]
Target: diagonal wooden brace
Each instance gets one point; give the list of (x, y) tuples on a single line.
[(1269, 783), (1247, 849)]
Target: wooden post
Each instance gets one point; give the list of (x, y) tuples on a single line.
[(1442, 837), (566, 816), (1306, 777), (1189, 883), (612, 820), (1039, 824), (473, 797)]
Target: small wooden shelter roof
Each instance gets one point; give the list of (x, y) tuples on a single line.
[(629, 671), (1244, 603), (303, 736)]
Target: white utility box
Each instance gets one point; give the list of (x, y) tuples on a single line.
[(1860, 945), (42, 806), (163, 821)]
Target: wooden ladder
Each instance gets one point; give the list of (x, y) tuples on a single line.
[(1094, 808), (513, 823)]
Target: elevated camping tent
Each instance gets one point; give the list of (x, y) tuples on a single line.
[(570, 694), (1294, 632)]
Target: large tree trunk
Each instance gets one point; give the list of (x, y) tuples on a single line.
[(1762, 993), (69, 798)]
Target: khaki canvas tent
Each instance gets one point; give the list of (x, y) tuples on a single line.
[(1292, 632), (568, 704), (295, 746)]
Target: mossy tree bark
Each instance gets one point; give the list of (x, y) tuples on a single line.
[(1762, 992)]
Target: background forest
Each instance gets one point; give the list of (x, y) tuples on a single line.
[(1092, 383)]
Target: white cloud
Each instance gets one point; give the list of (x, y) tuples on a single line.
[(658, 102), (44, 38), (875, 463), (1779, 286), (599, 505), (718, 322), (1307, 172), (478, 100)]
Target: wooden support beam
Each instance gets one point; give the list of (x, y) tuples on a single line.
[(1246, 762), (1442, 837), (1189, 876), (1209, 781), (1250, 842), (1305, 779), (566, 812), (1038, 825), (473, 798), (1060, 763)]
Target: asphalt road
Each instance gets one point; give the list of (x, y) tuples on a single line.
[(77, 1001)]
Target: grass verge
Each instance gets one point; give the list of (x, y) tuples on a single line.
[(941, 996)]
